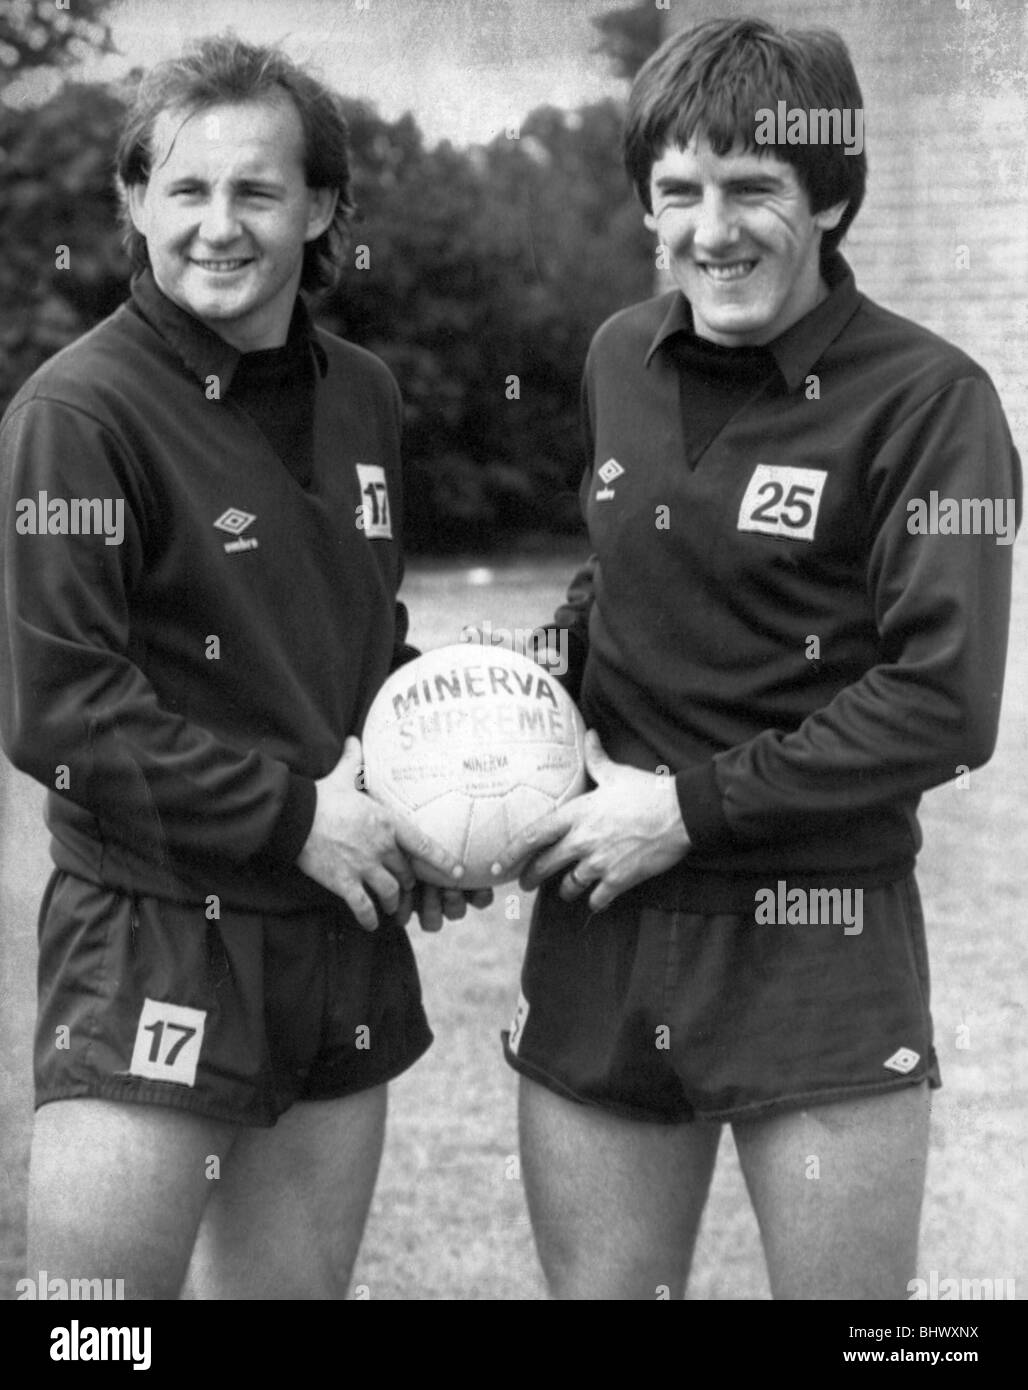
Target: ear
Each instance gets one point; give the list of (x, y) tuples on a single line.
[(321, 210), (828, 218), (650, 222), (135, 199)]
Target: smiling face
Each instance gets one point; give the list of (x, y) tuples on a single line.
[(744, 246), (226, 214)]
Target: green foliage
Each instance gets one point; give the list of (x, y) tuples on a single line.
[(484, 265), (56, 190), (488, 265), (629, 36), (50, 33), (55, 184)]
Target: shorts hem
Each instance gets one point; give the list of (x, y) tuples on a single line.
[(146, 1095), (265, 1117), (612, 1107), (730, 1114), (329, 1092), (829, 1096)]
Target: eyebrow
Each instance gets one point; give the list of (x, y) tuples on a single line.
[(670, 183), (261, 181)]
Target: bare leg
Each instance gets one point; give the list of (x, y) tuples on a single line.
[(286, 1217), (117, 1191), (837, 1190), (615, 1204)]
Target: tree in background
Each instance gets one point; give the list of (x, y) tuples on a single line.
[(46, 34), (479, 275), (629, 36), (61, 267), (61, 264)]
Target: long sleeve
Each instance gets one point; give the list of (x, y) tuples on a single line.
[(572, 616), (941, 602), (402, 649), (76, 710)]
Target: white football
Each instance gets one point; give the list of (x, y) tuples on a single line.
[(473, 743)]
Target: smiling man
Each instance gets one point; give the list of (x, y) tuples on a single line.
[(747, 278), (223, 213), (774, 667), (225, 982)]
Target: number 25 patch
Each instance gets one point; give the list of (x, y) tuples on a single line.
[(376, 522), (168, 1041), (781, 501)]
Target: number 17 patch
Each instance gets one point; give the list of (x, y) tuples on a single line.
[(376, 522), (168, 1042), (782, 501)]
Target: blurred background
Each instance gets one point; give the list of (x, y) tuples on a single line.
[(484, 260), (500, 231), (499, 226)]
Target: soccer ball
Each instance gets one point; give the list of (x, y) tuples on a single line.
[(473, 743)]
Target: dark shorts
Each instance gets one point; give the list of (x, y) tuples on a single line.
[(235, 1019), (671, 1016)]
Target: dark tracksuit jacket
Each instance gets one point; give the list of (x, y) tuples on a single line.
[(762, 617), (180, 691)]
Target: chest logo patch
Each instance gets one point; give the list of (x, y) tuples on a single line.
[(608, 472), (782, 501), (235, 521), (375, 516)]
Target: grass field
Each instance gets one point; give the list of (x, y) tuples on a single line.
[(448, 1220)]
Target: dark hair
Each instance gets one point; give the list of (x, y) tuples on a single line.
[(224, 69), (711, 80)]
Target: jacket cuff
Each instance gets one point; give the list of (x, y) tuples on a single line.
[(699, 800), (294, 821), (402, 653), (576, 651)]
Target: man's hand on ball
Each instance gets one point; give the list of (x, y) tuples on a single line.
[(356, 848), (628, 829), (435, 898), (435, 905)]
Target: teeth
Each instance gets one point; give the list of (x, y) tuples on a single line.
[(734, 270), (220, 265)]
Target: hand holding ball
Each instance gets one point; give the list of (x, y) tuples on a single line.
[(472, 744)]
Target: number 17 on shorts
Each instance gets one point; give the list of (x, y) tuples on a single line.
[(168, 1042)]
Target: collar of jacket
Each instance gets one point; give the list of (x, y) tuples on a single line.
[(797, 349), (203, 351)]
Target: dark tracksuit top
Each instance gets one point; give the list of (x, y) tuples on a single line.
[(749, 517), (180, 692)]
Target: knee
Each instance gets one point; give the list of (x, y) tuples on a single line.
[(577, 1270)]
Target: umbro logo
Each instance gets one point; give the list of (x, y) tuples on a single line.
[(903, 1061), (608, 472), (235, 521)]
